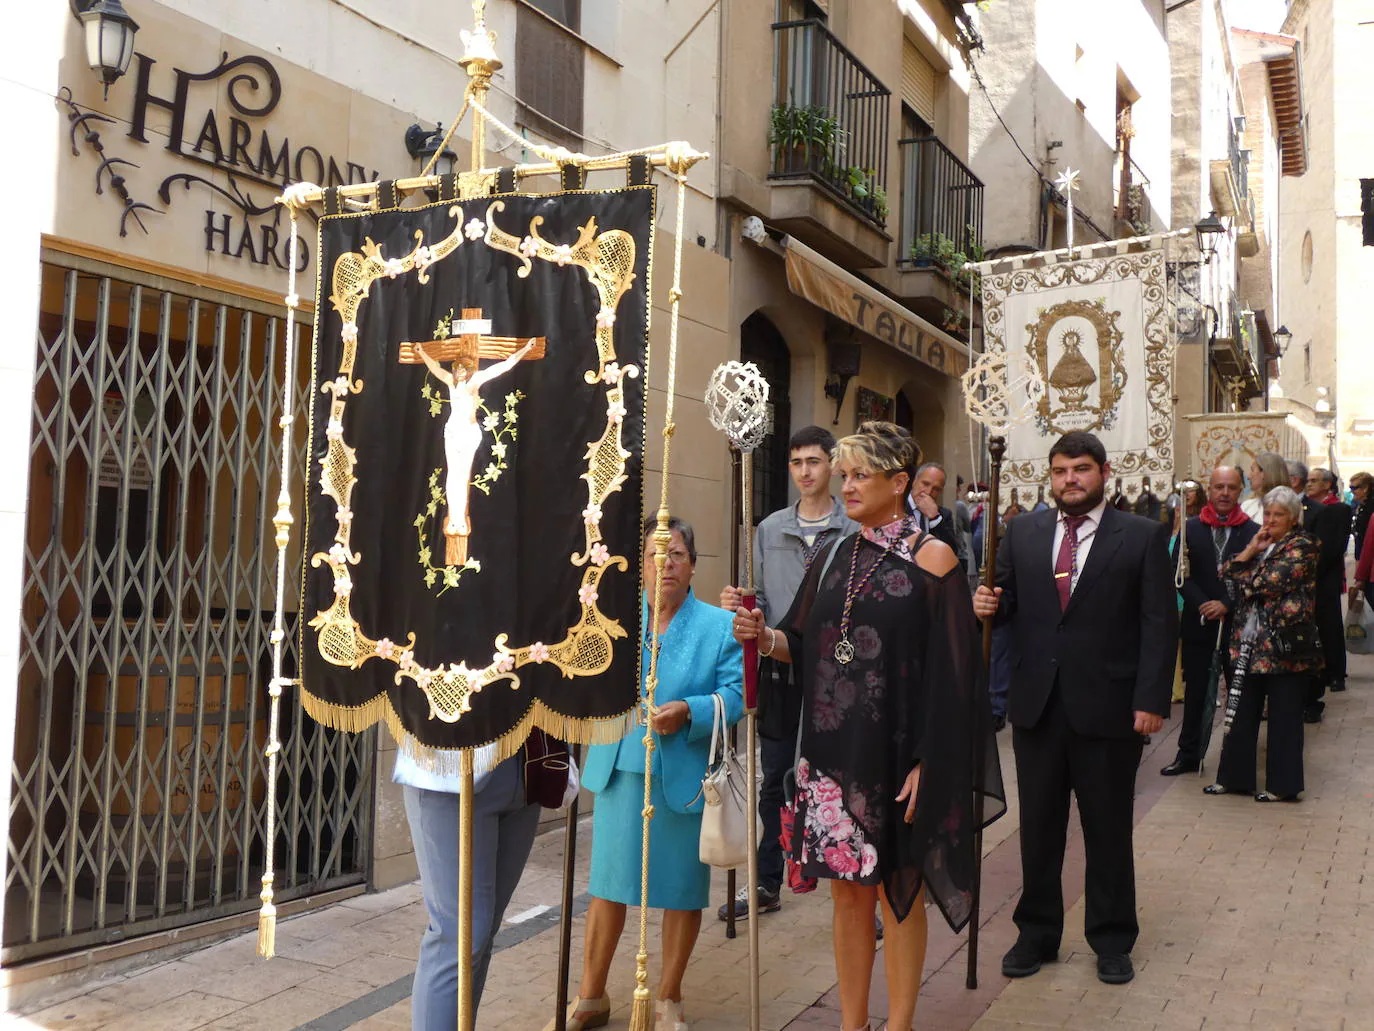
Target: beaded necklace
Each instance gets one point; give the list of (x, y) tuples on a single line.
[(844, 650)]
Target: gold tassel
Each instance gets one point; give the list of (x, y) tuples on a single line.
[(267, 920), (642, 1009)]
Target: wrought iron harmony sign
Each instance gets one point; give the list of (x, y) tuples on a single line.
[(236, 148)]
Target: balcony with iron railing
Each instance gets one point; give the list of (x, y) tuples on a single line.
[(828, 129), (941, 227)]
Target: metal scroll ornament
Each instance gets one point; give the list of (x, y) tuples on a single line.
[(737, 403)]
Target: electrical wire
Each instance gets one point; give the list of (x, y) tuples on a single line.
[(987, 95)]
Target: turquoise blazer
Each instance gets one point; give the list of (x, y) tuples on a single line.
[(698, 657)]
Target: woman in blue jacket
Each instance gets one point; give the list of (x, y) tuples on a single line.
[(698, 658)]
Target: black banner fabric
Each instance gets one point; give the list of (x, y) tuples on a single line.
[(474, 489)]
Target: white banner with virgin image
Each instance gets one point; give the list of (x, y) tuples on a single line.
[(1098, 332)]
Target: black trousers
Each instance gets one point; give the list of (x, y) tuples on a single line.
[(1053, 760), (776, 757), (1197, 664), (1331, 627), (1283, 765)]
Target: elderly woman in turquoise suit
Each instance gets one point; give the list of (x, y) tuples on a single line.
[(698, 658)]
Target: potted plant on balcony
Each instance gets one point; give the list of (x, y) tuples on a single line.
[(799, 135)]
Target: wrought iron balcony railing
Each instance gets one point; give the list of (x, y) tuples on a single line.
[(830, 117), (942, 205)]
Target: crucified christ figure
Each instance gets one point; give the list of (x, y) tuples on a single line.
[(462, 433)]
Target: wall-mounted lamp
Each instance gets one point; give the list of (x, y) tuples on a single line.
[(1283, 336), (842, 361), (422, 144), (109, 37), (1209, 231)]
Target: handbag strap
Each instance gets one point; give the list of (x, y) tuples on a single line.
[(717, 730)]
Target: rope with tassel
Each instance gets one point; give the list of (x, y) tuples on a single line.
[(293, 198), (642, 1011)]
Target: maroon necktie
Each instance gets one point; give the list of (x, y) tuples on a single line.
[(1066, 562)]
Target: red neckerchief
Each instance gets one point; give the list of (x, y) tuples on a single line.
[(1209, 517), (1331, 499)]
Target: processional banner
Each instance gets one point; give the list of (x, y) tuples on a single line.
[(1097, 333), (475, 480)]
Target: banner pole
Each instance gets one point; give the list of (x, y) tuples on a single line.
[(465, 809), (560, 1014), (751, 707), (997, 447)]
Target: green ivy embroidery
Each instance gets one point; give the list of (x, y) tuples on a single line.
[(503, 430)]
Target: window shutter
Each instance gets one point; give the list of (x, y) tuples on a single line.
[(918, 82)]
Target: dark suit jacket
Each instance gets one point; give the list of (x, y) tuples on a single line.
[(1330, 524), (1112, 650), (945, 530), (1203, 583)]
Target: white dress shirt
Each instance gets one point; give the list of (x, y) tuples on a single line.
[(1087, 531)]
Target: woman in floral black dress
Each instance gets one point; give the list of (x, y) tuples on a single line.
[(893, 699)]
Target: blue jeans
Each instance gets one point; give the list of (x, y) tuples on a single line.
[(999, 672), (502, 834), (777, 758)]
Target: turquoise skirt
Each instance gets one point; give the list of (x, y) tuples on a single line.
[(677, 878)]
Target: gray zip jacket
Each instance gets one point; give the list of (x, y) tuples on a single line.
[(780, 556)]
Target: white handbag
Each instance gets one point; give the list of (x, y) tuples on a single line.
[(725, 788)]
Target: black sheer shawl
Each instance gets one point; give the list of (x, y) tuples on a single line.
[(929, 704)]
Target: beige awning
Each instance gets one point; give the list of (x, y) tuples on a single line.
[(820, 281)]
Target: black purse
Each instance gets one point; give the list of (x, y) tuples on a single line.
[(1299, 641)]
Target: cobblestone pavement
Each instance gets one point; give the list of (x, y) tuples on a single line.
[(1252, 916)]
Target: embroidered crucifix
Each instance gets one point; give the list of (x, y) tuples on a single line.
[(470, 343)]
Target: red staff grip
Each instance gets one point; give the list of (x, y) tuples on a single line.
[(749, 601)]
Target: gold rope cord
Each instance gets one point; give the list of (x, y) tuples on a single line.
[(267, 916), (642, 1011)]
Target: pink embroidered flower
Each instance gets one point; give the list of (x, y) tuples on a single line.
[(615, 411), (343, 586), (830, 813), (845, 693), (339, 387), (406, 660), (605, 318), (827, 716), (475, 229), (345, 516), (502, 662), (393, 267), (529, 247), (333, 430), (600, 554), (424, 257), (423, 678), (867, 643), (562, 254), (349, 333), (384, 649), (841, 860), (586, 594), (592, 513), (611, 373), (868, 861), (338, 554), (826, 790), (539, 652)]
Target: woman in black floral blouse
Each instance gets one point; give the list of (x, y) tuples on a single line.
[(1273, 581), (882, 631)]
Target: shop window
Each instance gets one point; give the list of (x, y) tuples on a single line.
[(566, 12)]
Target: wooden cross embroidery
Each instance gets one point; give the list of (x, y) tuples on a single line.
[(470, 344)]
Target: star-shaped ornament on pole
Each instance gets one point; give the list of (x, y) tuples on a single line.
[(1066, 182)]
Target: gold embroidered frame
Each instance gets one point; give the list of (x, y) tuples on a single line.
[(607, 259)]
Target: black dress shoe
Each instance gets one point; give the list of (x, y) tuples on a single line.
[(1337, 686), (1180, 766), (1115, 969), (1025, 957), (1311, 716), (1265, 796)]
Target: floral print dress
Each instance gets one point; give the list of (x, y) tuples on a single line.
[(913, 693)]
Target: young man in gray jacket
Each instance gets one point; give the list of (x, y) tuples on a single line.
[(784, 545)]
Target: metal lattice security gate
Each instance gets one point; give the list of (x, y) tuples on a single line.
[(139, 787)]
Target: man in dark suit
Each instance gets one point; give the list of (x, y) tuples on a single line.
[(1328, 519), (1088, 592), (924, 505), (1220, 531)]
